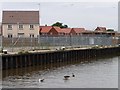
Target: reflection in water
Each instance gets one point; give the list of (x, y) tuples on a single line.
[(100, 73)]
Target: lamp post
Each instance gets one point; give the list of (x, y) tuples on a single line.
[(70, 41), (39, 25), (17, 28), (31, 41)]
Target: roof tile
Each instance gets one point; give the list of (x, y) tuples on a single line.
[(22, 17), (66, 30), (45, 29), (79, 30)]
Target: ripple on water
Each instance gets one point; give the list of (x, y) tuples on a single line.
[(97, 74)]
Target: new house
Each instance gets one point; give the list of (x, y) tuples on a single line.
[(101, 29), (78, 31), (66, 31), (50, 30), (20, 24)]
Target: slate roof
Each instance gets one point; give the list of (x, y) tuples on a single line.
[(21, 17)]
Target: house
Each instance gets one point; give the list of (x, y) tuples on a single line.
[(77, 31), (50, 30), (101, 29), (67, 31), (20, 23), (73, 31), (59, 31), (88, 33), (45, 30)]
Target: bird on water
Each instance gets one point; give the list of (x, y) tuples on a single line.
[(66, 77), (73, 75), (41, 80)]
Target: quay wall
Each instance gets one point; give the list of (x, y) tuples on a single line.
[(44, 59)]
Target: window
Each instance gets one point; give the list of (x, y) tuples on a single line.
[(31, 35), (20, 34), (9, 35), (9, 27), (20, 27), (51, 33), (44, 33), (60, 33), (31, 27)]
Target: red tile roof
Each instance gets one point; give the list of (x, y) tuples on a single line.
[(79, 30), (66, 30), (23, 17), (58, 29), (45, 29)]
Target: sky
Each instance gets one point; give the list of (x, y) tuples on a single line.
[(75, 14)]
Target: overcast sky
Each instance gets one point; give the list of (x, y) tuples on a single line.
[(75, 14)]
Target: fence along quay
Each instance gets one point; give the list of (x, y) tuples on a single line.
[(46, 58)]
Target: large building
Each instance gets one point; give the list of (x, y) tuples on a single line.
[(20, 24)]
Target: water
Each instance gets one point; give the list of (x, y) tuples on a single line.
[(102, 73)]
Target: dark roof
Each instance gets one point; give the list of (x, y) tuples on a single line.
[(100, 29), (22, 17)]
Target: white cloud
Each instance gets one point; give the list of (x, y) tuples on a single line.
[(82, 14)]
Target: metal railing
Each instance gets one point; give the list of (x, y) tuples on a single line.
[(47, 42)]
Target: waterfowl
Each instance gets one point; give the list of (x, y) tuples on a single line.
[(66, 77), (73, 75), (41, 80)]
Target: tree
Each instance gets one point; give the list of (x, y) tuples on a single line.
[(65, 26), (58, 24), (110, 30)]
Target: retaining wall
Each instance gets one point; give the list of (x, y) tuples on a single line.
[(45, 59)]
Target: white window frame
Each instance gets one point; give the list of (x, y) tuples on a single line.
[(9, 27), (20, 27)]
